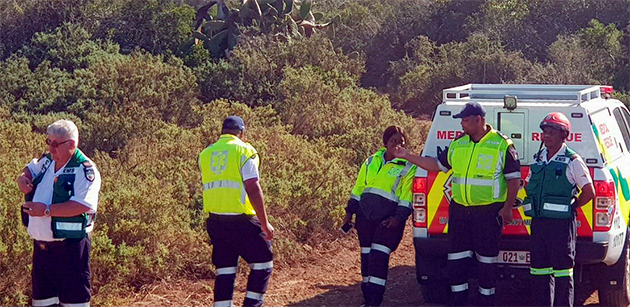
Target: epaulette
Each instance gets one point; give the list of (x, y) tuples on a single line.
[(503, 135), (571, 154)]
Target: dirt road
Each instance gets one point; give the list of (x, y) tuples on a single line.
[(330, 278)]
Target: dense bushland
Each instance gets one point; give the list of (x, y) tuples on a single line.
[(147, 100)]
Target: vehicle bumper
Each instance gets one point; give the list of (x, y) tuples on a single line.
[(436, 247)]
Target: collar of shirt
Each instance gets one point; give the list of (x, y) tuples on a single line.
[(543, 153)]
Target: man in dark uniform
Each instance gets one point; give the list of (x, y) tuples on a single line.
[(237, 222)]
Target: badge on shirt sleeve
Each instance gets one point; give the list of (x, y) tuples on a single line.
[(88, 169), (512, 151)]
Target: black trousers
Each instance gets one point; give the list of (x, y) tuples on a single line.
[(474, 234), (61, 272), (552, 246), (377, 243), (231, 237)]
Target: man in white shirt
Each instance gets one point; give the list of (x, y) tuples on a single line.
[(552, 199), (61, 189)]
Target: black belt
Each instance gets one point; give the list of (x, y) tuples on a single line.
[(213, 217), (46, 245)]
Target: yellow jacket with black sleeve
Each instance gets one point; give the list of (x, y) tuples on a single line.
[(383, 189)]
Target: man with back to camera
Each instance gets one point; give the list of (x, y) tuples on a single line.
[(485, 181), (237, 222), (552, 200), (64, 185)]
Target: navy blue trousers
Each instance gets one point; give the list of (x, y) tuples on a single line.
[(61, 272), (552, 246), (474, 234), (377, 243), (233, 237)]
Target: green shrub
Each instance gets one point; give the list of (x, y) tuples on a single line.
[(18, 145), (254, 72)]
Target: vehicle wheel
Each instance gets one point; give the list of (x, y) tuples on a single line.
[(436, 291), (618, 296)]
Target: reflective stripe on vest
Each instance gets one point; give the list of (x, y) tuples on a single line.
[(221, 164), (478, 167), (384, 194), (384, 179), (549, 192), (222, 184)]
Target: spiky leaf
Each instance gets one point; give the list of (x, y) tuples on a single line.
[(232, 40), (336, 20), (254, 8), (288, 6), (218, 44), (214, 26), (310, 17), (305, 9), (279, 6), (223, 11), (272, 12), (200, 36), (292, 26)]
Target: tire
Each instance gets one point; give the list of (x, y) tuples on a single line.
[(436, 291), (618, 296)]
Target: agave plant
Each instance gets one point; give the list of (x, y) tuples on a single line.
[(288, 18)]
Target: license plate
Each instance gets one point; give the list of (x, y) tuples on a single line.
[(513, 257)]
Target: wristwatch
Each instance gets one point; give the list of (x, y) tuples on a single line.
[(47, 211)]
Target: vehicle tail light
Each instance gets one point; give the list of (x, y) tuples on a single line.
[(606, 89), (603, 205), (420, 202)]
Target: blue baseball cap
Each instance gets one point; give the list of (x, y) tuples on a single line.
[(233, 123), (471, 108)]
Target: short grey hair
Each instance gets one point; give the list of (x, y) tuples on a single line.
[(64, 128)]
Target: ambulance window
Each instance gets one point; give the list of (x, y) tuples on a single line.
[(623, 119)]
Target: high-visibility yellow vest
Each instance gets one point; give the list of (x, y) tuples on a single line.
[(391, 180), (478, 177), (220, 164)]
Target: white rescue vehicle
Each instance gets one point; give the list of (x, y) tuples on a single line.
[(600, 134)]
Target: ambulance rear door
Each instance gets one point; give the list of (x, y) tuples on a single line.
[(514, 124)]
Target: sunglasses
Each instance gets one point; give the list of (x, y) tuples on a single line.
[(54, 144)]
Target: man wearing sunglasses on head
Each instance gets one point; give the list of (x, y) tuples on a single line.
[(61, 189)]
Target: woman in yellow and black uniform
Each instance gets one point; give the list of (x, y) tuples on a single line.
[(381, 200)]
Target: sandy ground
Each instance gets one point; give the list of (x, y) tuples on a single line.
[(330, 278)]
